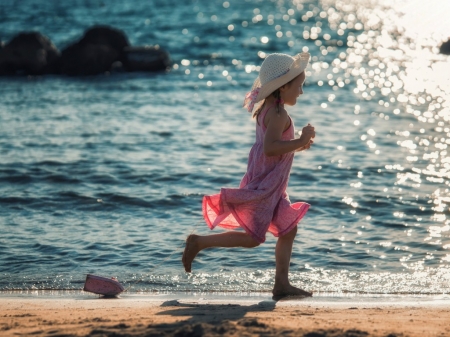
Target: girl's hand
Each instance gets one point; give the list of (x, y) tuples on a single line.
[(306, 147), (308, 132), (307, 135)]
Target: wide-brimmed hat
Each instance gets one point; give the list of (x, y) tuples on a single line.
[(276, 70)]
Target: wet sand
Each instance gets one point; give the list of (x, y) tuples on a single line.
[(196, 315)]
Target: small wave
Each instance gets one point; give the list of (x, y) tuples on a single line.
[(60, 179), (163, 134), (123, 200), (15, 178)]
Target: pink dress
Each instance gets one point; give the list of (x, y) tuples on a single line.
[(261, 203)]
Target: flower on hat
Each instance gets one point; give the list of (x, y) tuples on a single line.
[(249, 101)]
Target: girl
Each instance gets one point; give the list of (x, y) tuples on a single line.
[(261, 203)]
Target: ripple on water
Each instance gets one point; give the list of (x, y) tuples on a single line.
[(121, 162)]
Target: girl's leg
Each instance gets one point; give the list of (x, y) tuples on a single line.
[(283, 251), (196, 243)]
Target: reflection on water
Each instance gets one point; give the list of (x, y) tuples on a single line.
[(134, 155)]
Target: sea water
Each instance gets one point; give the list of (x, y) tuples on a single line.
[(106, 174)]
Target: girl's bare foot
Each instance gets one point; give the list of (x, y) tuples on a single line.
[(190, 251), (279, 292)]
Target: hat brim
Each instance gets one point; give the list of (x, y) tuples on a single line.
[(299, 65)]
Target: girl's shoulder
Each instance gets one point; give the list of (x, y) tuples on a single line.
[(280, 115), (277, 112)]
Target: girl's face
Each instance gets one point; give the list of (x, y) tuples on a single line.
[(291, 91)]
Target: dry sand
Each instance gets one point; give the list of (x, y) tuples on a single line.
[(139, 315)]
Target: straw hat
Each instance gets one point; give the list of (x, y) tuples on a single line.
[(276, 70)]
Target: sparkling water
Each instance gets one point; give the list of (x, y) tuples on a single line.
[(106, 174)]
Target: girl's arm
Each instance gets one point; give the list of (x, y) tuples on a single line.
[(306, 147), (276, 124)]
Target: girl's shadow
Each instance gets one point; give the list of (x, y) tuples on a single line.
[(212, 319), (214, 312)]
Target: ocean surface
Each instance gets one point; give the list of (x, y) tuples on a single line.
[(106, 174)]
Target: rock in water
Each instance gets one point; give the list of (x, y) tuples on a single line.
[(148, 58), (95, 53), (87, 59), (105, 35), (29, 53), (101, 49)]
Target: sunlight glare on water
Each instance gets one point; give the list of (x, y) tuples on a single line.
[(122, 161)]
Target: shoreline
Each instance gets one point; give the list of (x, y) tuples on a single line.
[(77, 313), (235, 296)]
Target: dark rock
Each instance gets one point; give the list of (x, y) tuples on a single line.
[(99, 49), (87, 59), (146, 58), (29, 53), (105, 35), (445, 48)]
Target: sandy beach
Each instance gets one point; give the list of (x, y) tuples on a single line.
[(81, 314)]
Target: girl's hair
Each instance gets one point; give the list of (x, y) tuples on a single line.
[(277, 95)]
